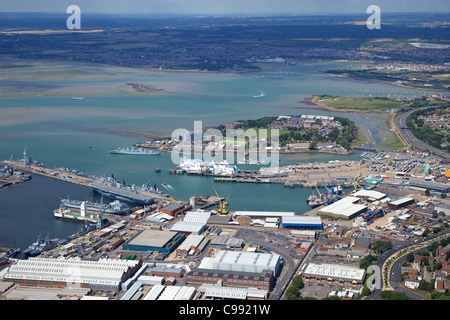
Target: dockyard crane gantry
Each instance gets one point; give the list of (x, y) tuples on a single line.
[(222, 202)]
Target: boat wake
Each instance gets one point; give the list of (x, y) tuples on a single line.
[(262, 94), (168, 187)]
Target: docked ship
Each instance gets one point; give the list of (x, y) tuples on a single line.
[(196, 166), (134, 151), (86, 228), (327, 197), (40, 246), (82, 216), (115, 207), (121, 191)]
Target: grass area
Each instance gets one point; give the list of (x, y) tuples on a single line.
[(392, 144), (360, 140), (358, 104)]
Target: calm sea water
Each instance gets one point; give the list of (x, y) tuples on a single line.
[(62, 132)]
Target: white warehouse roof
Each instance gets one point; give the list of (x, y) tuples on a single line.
[(363, 193), (246, 261), (335, 271), (344, 207), (191, 240), (264, 214), (197, 216), (188, 226)]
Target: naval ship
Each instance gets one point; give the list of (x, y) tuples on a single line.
[(134, 151), (40, 246), (115, 207)]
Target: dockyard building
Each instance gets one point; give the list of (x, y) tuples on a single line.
[(104, 274)]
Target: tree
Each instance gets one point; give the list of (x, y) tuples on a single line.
[(410, 257), (312, 145), (427, 192)]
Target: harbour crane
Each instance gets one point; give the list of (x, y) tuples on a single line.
[(222, 203)]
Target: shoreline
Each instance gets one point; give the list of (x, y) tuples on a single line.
[(383, 81), (310, 102)]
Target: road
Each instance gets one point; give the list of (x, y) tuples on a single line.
[(400, 122), (274, 241), (394, 278)]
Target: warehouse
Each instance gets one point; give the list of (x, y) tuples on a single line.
[(225, 242), (221, 292), (344, 275), (302, 222), (369, 195), (190, 244), (189, 227), (197, 216), (216, 219), (263, 214), (154, 240), (174, 209), (444, 188), (263, 280), (105, 274), (304, 234), (400, 203), (177, 293), (346, 208), (246, 261)]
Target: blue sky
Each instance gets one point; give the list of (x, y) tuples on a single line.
[(225, 6)]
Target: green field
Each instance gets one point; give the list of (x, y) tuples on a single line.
[(356, 104)]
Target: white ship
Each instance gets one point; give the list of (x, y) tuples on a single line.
[(196, 166)]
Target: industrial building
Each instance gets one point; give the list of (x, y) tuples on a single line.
[(444, 188), (160, 292), (174, 209), (259, 280), (304, 234), (189, 227), (225, 242), (344, 275), (154, 240), (197, 216), (104, 274), (301, 222), (165, 272), (263, 214), (369, 195), (193, 244), (243, 262), (346, 208), (400, 203), (221, 292)]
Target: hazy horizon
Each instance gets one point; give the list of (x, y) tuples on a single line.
[(227, 7)]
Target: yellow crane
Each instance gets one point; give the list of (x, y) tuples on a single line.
[(356, 179), (222, 203)]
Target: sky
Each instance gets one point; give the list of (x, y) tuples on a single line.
[(225, 7)]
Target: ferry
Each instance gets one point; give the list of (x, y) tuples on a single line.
[(196, 166)]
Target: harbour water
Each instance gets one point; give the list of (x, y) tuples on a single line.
[(62, 132)]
